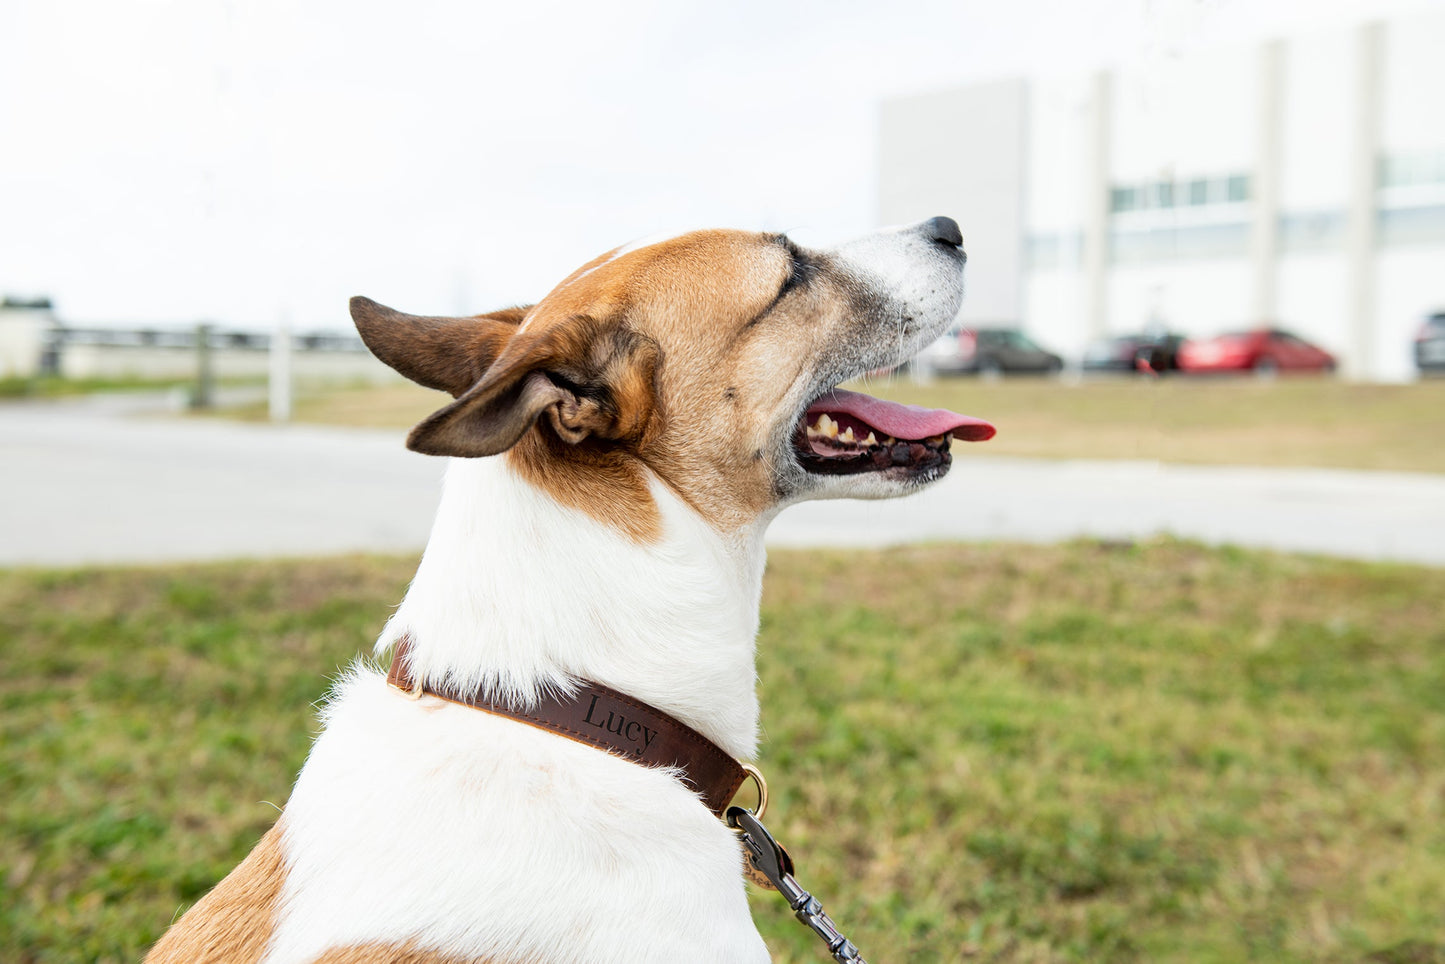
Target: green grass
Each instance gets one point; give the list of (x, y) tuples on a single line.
[(1081, 753), (1288, 421), (1301, 421), (53, 386)]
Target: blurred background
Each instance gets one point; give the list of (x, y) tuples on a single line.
[(1192, 166), (1154, 675)]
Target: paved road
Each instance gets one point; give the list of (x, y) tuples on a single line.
[(1361, 515), (84, 483)]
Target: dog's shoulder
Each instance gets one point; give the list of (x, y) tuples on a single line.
[(233, 923)]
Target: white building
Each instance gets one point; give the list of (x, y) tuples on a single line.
[(1300, 183), (26, 325)]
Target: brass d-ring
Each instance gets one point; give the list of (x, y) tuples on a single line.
[(762, 785), (413, 692)]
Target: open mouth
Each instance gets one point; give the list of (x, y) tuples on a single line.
[(843, 433)]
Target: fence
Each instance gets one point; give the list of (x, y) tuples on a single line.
[(164, 353)]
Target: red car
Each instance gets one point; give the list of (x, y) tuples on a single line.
[(1264, 351)]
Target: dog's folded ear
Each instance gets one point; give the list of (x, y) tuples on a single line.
[(448, 354), (590, 379)]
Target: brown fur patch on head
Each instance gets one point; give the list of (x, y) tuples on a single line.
[(233, 923), (742, 321)]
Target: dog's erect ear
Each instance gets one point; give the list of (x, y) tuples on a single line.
[(449, 354), (590, 380)]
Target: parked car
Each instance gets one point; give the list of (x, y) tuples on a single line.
[(1263, 351), (987, 351), (1430, 344), (1123, 353)]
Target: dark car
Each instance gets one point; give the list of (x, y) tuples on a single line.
[(1263, 351), (1430, 345), (1139, 352), (987, 351)]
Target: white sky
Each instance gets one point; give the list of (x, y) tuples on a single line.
[(168, 161)]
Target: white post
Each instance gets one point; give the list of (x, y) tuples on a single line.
[(1096, 207), (204, 396), (1363, 203), (280, 371), (1264, 232)]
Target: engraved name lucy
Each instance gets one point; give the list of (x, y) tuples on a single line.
[(621, 725)]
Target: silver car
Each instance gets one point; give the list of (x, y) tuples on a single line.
[(1430, 345)]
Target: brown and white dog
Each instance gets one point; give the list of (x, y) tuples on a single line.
[(621, 447)]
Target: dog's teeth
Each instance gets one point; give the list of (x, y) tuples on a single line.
[(847, 435), (827, 426), (935, 440), (871, 439)]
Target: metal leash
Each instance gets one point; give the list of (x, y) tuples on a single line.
[(773, 862)]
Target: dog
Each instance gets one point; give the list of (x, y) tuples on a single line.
[(617, 452)]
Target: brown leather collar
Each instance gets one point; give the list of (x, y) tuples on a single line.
[(608, 720)]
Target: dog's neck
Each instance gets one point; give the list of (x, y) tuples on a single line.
[(516, 593)]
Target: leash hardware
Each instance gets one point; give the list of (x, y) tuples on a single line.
[(773, 862), (753, 773), (412, 692), (399, 673)]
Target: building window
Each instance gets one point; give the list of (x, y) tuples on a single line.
[(1229, 240), (1405, 170), (1164, 194), (1322, 230)]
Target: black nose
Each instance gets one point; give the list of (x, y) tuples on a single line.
[(945, 230)]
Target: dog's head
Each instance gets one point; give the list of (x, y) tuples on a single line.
[(708, 361)]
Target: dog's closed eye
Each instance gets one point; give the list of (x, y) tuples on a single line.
[(801, 269)]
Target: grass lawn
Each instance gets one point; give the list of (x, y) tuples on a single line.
[(1301, 421), (995, 753), (53, 386)]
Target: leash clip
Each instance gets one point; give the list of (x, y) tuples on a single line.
[(764, 852), (768, 857)]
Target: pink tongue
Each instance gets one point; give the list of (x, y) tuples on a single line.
[(901, 421)]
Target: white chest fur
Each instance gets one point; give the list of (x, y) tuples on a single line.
[(517, 593), (474, 835), (478, 836)]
